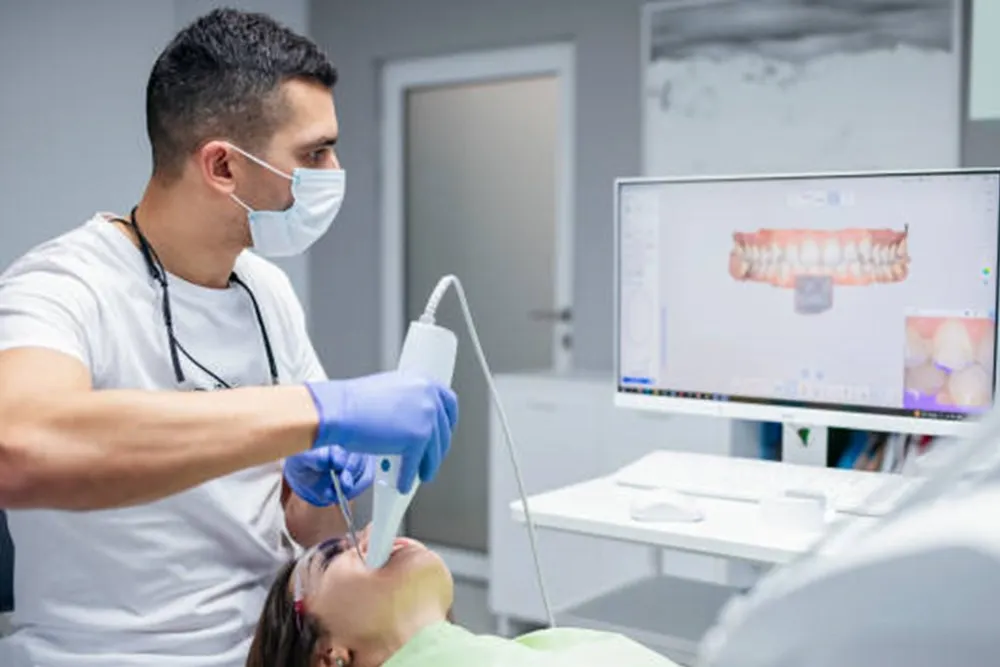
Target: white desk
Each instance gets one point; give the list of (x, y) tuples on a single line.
[(667, 614), (730, 529)]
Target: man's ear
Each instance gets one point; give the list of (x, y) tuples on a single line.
[(216, 164)]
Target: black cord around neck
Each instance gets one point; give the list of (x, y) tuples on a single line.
[(159, 273)]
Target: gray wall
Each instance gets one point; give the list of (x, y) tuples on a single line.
[(71, 112), (361, 35)]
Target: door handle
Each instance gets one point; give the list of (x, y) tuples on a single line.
[(558, 315)]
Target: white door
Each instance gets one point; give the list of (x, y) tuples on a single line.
[(478, 172)]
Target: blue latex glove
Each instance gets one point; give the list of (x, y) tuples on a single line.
[(389, 413), (308, 474)]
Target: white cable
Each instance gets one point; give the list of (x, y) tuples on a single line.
[(428, 317), (430, 312)]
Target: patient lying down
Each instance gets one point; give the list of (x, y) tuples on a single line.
[(398, 616)]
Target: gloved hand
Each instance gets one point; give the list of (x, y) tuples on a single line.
[(308, 474), (388, 413)]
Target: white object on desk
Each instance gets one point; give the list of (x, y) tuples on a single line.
[(661, 505), (803, 513), (850, 491)]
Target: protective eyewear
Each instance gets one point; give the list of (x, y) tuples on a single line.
[(309, 568)]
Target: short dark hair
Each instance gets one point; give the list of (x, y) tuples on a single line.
[(220, 77)]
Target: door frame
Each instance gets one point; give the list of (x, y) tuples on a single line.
[(397, 78)]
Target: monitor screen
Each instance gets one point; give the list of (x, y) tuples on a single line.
[(855, 300)]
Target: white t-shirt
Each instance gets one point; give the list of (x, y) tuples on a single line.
[(179, 582)]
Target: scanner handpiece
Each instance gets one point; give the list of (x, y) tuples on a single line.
[(428, 351)]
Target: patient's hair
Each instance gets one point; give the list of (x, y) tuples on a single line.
[(283, 639)]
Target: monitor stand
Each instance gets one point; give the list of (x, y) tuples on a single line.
[(804, 444)]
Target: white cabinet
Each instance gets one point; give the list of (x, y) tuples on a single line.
[(567, 430), (554, 428)]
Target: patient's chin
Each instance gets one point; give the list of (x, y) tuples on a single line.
[(418, 563), (413, 555)]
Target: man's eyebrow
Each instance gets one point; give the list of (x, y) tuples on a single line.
[(322, 142)]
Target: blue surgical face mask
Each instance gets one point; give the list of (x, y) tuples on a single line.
[(316, 198)]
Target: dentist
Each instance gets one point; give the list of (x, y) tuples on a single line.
[(167, 433)]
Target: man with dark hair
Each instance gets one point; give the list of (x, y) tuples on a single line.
[(168, 436), (209, 83)]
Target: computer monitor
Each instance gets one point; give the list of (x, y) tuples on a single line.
[(853, 300)]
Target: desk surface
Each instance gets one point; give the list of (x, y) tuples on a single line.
[(730, 529)]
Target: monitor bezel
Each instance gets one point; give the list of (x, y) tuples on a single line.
[(819, 416)]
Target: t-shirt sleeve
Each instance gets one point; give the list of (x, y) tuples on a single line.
[(312, 367), (306, 366), (47, 307)]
